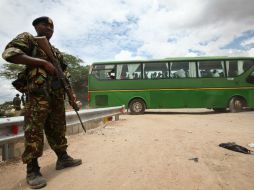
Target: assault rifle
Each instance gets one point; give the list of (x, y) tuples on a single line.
[(44, 45)]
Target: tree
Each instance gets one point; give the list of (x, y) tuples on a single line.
[(78, 79), (79, 76), (10, 71), (5, 109)]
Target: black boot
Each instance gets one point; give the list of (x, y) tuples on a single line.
[(64, 161), (34, 178)]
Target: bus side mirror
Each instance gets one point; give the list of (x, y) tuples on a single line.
[(250, 79)]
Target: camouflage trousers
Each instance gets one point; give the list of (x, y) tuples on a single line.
[(46, 114)]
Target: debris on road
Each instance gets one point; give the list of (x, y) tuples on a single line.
[(235, 147), (194, 159)]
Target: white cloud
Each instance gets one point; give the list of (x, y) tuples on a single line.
[(190, 26), (81, 25), (127, 55), (7, 91), (250, 52), (248, 42)]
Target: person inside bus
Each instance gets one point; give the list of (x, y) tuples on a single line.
[(123, 76), (215, 73), (136, 76), (111, 75), (145, 75), (159, 75), (154, 75), (165, 74), (180, 74)]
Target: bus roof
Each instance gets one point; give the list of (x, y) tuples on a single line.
[(207, 58)]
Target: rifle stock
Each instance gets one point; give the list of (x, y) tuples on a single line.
[(45, 46)]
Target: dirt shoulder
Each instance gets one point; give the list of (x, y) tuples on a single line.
[(170, 149)]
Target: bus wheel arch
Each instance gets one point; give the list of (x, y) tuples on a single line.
[(137, 106), (236, 104)]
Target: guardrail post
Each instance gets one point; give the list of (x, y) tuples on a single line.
[(8, 151), (117, 117)]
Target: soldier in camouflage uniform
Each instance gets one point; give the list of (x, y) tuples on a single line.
[(17, 103), (44, 109)]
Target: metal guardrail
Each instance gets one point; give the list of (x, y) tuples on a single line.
[(11, 129)]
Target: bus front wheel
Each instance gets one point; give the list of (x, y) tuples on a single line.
[(236, 104), (137, 106)]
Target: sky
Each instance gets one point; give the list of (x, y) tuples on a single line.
[(96, 30)]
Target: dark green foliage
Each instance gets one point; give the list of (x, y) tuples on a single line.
[(79, 76), (5, 109)]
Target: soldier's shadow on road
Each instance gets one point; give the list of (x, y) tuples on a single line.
[(49, 172)]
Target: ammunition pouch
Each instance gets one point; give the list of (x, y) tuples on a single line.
[(20, 84), (38, 84)]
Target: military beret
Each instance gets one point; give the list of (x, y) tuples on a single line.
[(43, 19)]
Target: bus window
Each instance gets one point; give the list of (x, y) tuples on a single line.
[(128, 71), (238, 67), (183, 69), (134, 71), (104, 72), (122, 71), (247, 64), (155, 70), (250, 78), (208, 69), (192, 70)]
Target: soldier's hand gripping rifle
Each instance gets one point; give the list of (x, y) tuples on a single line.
[(44, 45)]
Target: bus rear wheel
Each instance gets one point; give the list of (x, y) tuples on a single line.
[(236, 104), (137, 107)]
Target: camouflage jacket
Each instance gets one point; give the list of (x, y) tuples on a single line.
[(26, 44)]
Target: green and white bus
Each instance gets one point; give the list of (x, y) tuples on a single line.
[(216, 83)]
